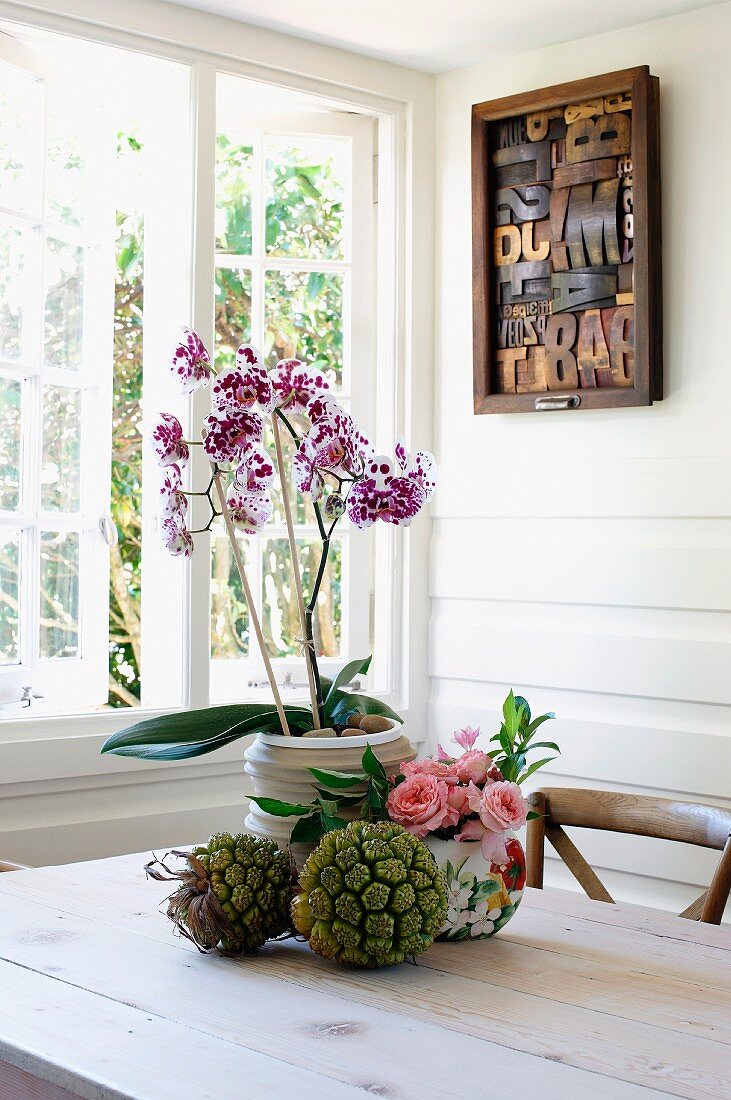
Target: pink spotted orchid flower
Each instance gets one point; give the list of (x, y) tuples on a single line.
[(244, 385), (168, 442), (173, 502), (228, 433), (191, 363), (176, 538), (296, 385), (249, 511), (255, 471), (333, 445), (382, 494)]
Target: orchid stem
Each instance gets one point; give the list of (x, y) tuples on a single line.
[(249, 600), (309, 646)]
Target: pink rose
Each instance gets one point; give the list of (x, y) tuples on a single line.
[(459, 800), (438, 768), (421, 805), (500, 806), (472, 766)]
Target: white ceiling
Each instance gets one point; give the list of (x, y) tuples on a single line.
[(438, 35)]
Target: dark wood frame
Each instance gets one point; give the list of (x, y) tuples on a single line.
[(648, 383)]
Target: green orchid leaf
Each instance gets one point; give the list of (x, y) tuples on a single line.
[(277, 808), (306, 829), (341, 704), (336, 780), (197, 728), (353, 668)]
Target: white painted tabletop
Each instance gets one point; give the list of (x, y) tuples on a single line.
[(574, 998)]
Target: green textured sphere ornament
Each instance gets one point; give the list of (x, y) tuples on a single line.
[(234, 893), (370, 895)]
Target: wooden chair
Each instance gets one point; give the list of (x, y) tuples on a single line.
[(5, 866), (707, 826)]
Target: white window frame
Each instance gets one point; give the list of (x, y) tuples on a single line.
[(84, 677), (402, 104), (230, 677)]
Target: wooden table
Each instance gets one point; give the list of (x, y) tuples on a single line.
[(573, 999)]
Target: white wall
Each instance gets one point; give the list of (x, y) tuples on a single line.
[(584, 558)]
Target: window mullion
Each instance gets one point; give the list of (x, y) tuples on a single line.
[(203, 107)]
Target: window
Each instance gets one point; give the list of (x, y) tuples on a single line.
[(293, 274), (106, 189)]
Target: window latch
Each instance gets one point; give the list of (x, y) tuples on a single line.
[(108, 529)]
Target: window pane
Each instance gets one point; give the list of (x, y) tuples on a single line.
[(305, 181), (21, 140), (10, 397), (280, 617), (64, 304), (304, 319), (59, 636), (229, 613), (9, 597), (234, 170), (66, 172), (233, 312), (60, 474), (15, 256)]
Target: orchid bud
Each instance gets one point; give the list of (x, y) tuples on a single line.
[(334, 507)]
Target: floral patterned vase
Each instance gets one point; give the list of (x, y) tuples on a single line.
[(481, 896)]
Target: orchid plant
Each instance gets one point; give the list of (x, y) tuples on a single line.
[(334, 465)]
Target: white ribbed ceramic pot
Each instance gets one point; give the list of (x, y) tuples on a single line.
[(279, 768)]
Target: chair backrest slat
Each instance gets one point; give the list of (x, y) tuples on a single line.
[(640, 815)]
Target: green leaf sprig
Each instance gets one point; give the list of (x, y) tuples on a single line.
[(515, 738)]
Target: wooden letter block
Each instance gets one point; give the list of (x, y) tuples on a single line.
[(525, 204), (619, 326), (621, 101), (530, 374), (528, 163), (507, 245), (587, 171), (506, 359), (625, 278), (608, 136), (558, 153), (581, 290), (529, 281), (542, 124), (575, 111), (511, 132), (592, 351), (533, 251), (560, 361), (592, 220)]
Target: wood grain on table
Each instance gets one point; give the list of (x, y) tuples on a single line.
[(574, 998)]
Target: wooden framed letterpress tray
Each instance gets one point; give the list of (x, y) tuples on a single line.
[(567, 296)]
